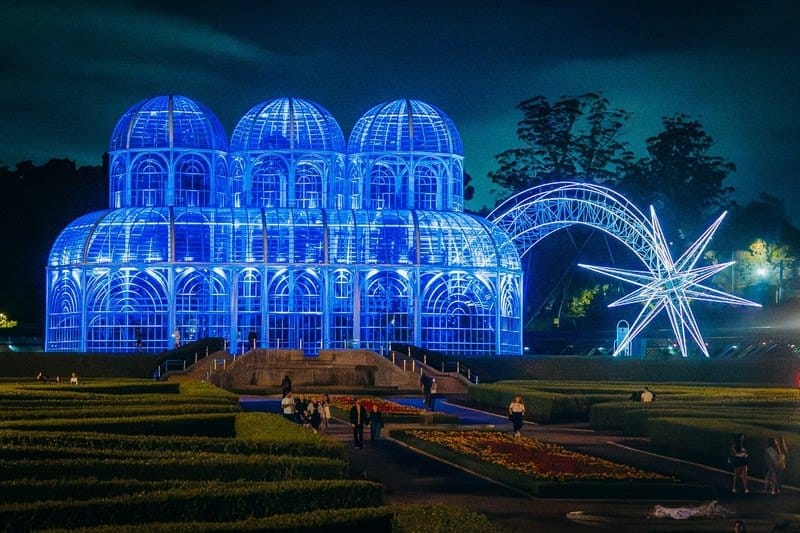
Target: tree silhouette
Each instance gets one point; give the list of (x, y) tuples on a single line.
[(39, 202)]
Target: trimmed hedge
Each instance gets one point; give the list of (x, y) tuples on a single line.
[(540, 406), (209, 425), (199, 504), (708, 441), (296, 441), (106, 410), (372, 519), (224, 467)]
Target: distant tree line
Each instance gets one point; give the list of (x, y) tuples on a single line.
[(39, 201)]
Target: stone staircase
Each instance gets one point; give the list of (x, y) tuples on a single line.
[(265, 368)]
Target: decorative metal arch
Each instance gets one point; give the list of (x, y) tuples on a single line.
[(533, 214), (667, 284)]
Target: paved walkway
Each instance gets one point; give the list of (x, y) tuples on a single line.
[(409, 476)]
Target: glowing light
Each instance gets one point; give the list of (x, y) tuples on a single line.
[(671, 286)]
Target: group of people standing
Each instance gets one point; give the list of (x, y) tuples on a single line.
[(774, 459), (313, 413)]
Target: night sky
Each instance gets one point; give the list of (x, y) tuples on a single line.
[(70, 69)]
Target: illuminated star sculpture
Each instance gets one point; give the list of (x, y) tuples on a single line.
[(671, 285)]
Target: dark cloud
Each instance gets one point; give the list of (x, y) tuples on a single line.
[(71, 69)]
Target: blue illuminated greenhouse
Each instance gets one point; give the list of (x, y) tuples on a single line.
[(286, 231)]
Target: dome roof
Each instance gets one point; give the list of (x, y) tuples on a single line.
[(171, 121), (288, 124), (405, 126)]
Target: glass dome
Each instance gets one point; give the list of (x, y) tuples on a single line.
[(405, 126), (168, 151), (166, 122), (287, 152), (287, 124), (406, 154)]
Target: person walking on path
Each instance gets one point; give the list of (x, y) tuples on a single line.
[(358, 417), (739, 458), (375, 425), (516, 411), (775, 459)]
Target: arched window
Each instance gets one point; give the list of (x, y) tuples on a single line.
[(268, 185), (457, 313), (308, 184), (386, 310), (426, 193), (192, 182), (148, 181), (117, 182)]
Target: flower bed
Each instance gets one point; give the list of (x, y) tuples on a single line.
[(393, 412), (531, 456), (546, 469)]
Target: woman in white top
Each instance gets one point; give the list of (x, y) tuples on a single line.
[(516, 410)]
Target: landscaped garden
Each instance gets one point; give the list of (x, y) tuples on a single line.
[(119, 455), (691, 421)]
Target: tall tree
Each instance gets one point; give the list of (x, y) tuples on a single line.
[(679, 177), (576, 137)]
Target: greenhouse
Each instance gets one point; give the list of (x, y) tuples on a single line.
[(284, 237)]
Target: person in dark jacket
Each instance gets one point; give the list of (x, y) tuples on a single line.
[(358, 417)]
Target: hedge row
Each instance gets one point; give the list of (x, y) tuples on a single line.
[(107, 410), (198, 504), (209, 425), (539, 406), (223, 467), (285, 441), (125, 387), (632, 418), (372, 519), (708, 441)]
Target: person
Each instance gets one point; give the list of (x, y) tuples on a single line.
[(41, 376), (287, 407), (775, 459), (177, 336), (138, 336), (516, 410), (304, 419), (286, 386), (73, 379), (358, 417), (425, 381), (375, 422), (252, 339), (58, 379), (647, 395), (739, 458), (325, 405), (316, 415), (434, 389), (738, 526)]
